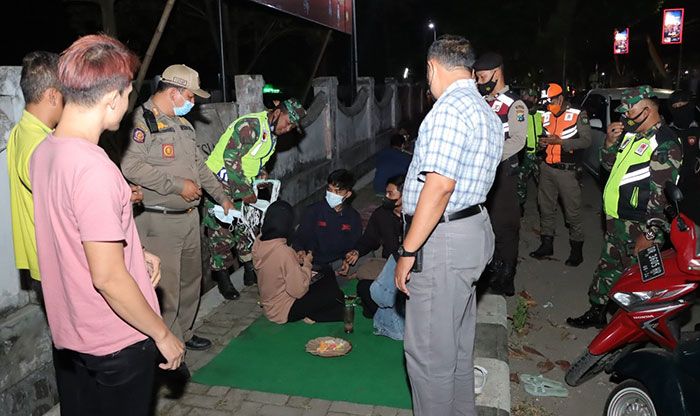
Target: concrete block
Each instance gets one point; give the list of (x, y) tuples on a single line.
[(492, 309), (496, 393), (232, 400), (300, 402), (248, 409), (274, 410), (267, 398), (491, 341), (385, 411), (218, 391), (198, 400), (352, 408)]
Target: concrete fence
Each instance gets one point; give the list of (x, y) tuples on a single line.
[(334, 137)]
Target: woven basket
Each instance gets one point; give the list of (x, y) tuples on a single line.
[(314, 347)]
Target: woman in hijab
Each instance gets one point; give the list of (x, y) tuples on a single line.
[(285, 281)]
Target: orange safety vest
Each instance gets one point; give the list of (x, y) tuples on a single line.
[(563, 126)]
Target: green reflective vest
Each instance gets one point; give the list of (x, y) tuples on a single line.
[(254, 160), (627, 191), (534, 130)]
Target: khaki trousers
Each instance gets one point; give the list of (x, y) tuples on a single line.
[(555, 183), (175, 239)]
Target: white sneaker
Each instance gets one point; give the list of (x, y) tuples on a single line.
[(480, 374)]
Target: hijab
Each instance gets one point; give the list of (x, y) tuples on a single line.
[(279, 221)]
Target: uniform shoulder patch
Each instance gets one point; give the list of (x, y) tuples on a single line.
[(138, 135), (520, 111)]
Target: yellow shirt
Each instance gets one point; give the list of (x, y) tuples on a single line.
[(24, 138)]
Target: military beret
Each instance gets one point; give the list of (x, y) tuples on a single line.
[(487, 61)]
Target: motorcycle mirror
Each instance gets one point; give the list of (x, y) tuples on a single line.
[(673, 193)]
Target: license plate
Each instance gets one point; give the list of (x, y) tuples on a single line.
[(650, 263)]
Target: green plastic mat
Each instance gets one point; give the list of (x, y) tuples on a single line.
[(271, 358)]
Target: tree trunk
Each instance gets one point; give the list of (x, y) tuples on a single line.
[(151, 50)]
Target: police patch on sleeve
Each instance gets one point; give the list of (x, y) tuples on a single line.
[(139, 136), (520, 111)]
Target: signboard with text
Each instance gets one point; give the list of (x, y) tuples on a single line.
[(672, 27), (335, 14), (621, 42)]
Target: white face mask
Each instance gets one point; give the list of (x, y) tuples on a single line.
[(333, 199)]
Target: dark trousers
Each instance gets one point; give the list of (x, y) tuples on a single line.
[(503, 207), (116, 384), (324, 302), (369, 307)]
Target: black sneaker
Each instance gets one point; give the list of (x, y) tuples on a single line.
[(594, 317), (198, 343)]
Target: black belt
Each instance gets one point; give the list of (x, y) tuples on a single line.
[(564, 166), (168, 211), (466, 212)]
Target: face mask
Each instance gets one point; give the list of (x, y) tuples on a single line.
[(184, 108), (630, 125), (487, 87), (389, 203), (554, 108), (333, 199), (218, 212), (682, 116)]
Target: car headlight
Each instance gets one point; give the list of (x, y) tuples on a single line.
[(632, 299)]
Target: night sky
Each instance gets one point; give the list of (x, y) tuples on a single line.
[(536, 37)]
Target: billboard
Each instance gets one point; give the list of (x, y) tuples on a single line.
[(672, 27), (621, 42), (335, 14)]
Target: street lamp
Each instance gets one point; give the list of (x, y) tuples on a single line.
[(431, 26), (405, 73)]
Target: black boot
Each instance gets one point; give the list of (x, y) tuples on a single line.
[(594, 317), (249, 276), (576, 254), (503, 283), (545, 249), (226, 288)]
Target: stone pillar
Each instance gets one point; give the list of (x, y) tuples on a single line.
[(249, 93), (329, 87), (395, 113), (367, 131)]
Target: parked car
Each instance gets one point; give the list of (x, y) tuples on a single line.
[(600, 104)]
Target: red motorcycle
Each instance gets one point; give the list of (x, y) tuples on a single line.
[(651, 296)]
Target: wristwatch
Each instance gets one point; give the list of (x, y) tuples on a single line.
[(403, 253)]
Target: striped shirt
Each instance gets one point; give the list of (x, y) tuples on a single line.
[(461, 138)]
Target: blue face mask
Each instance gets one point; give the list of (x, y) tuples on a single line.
[(184, 108), (333, 199)]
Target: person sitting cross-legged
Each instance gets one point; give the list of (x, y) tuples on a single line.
[(289, 289)]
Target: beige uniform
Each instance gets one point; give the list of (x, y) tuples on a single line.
[(160, 161)]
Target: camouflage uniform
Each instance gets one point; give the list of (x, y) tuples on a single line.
[(529, 168), (621, 234), (237, 174), (222, 238)]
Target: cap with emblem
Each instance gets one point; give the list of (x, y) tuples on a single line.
[(185, 77), (632, 96), (294, 109), (488, 61)]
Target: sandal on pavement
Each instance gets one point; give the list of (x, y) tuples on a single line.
[(541, 386)]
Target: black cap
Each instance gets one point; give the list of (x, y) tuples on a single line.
[(488, 61)]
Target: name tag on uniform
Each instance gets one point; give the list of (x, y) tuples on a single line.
[(641, 149), (168, 151)]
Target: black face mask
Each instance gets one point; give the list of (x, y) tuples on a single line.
[(487, 87), (683, 116), (389, 203), (630, 125)]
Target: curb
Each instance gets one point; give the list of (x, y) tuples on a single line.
[(491, 352)]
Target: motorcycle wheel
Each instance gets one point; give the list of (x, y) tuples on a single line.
[(588, 365), (629, 398)]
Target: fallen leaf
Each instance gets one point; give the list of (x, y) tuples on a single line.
[(514, 378), (545, 366), (563, 364), (516, 353), (565, 335), (531, 350)]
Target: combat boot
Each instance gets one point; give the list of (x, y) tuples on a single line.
[(576, 254), (249, 276), (223, 281), (503, 283), (545, 249), (594, 317)]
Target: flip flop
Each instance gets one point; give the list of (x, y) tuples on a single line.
[(541, 386), (480, 374)]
